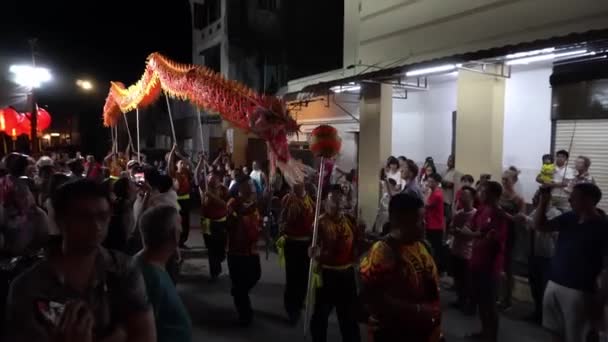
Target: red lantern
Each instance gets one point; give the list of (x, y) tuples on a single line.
[(44, 121), (23, 126), (325, 141), (9, 120)]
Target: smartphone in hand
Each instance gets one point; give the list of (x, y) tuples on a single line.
[(50, 311)]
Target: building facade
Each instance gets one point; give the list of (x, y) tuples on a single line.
[(477, 79), (261, 43)]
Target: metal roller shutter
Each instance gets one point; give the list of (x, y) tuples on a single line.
[(591, 140)]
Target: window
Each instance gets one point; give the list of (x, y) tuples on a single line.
[(200, 16), (212, 58), (207, 13), (269, 5), (215, 10)]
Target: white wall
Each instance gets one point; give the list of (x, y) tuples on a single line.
[(422, 123), (347, 159), (412, 31), (527, 126)]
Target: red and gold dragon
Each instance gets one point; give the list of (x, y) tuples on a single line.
[(265, 116)]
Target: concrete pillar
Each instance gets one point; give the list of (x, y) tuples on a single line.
[(239, 144), (375, 140), (479, 124)]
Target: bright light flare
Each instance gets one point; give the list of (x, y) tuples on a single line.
[(432, 70), (84, 84), (28, 76), (551, 56), (350, 87)]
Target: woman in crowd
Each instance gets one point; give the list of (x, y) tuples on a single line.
[(400, 282), (465, 181), (46, 170), (349, 202), (427, 170), (392, 171), (542, 249), (387, 187), (402, 161), (408, 176), (122, 222), (512, 204), (182, 177), (489, 229)]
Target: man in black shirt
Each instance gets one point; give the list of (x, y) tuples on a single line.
[(579, 259), (85, 293)]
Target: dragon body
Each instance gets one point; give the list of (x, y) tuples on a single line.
[(265, 116)]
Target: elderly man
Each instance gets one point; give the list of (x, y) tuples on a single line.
[(160, 229), (48, 302), (581, 166)]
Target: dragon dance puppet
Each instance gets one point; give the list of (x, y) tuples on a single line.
[(265, 116)]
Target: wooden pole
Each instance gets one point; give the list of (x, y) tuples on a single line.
[(34, 110), (137, 124), (315, 235), (171, 118)]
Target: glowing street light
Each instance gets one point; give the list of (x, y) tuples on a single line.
[(29, 76), (84, 84)]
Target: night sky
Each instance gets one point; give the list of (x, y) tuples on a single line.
[(96, 40)]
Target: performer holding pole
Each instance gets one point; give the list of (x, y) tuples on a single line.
[(333, 253), (296, 223)]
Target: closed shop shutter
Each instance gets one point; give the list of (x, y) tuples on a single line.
[(590, 140)]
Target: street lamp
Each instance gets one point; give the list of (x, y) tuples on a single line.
[(84, 84), (31, 77)]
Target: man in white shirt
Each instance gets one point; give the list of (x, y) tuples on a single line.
[(562, 177), (449, 185)]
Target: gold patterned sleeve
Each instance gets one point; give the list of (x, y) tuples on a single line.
[(376, 266)]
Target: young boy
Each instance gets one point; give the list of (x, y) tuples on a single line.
[(462, 248), (465, 181)]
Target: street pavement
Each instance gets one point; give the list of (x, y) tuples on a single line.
[(214, 318)]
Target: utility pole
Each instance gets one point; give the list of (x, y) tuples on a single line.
[(34, 110)]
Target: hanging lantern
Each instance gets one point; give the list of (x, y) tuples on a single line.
[(9, 119), (44, 121), (23, 126)]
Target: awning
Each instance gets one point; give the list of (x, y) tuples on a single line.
[(595, 37)]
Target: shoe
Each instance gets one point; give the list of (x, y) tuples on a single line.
[(183, 246)]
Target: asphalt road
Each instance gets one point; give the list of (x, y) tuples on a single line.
[(214, 318)]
